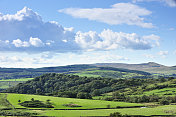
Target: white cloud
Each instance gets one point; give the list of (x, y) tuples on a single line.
[(170, 3), (120, 13), (26, 31), (19, 43), (108, 40), (36, 42), (163, 53)]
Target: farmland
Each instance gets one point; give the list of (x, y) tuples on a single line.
[(87, 106), (59, 102)]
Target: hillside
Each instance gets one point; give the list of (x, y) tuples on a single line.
[(74, 86), (150, 67), (82, 70)]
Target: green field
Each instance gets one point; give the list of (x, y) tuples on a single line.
[(4, 84), (107, 73), (3, 101), (164, 91), (58, 102), (162, 110), (86, 104), (22, 79)]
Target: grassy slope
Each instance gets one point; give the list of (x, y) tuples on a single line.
[(106, 73), (160, 110), (164, 91), (13, 82), (3, 102), (58, 102), (22, 79), (150, 67)]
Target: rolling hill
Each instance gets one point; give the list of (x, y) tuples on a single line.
[(150, 67), (82, 70)]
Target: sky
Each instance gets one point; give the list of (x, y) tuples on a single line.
[(43, 33)]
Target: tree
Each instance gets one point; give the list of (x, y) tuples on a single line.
[(84, 95), (164, 101), (96, 92), (32, 99)]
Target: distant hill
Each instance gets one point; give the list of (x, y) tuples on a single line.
[(81, 70), (108, 70), (150, 67)]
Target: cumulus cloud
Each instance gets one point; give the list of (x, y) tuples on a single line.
[(19, 43), (170, 3), (163, 53), (120, 13), (36, 42), (25, 31), (108, 40)]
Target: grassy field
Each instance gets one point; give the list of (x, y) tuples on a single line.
[(3, 101), (58, 102), (164, 91), (106, 73), (12, 82), (162, 110), (88, 104), (22, 79)]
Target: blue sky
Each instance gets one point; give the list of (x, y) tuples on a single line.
[(40, 33)]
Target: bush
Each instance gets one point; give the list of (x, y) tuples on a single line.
[(164, 101), (36, 104)]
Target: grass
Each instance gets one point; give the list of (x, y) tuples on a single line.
[(22, 79), (161, 110), (3, 101), (4, 84), (58, 102), (164, 91), (106, 73), (88, 104), (86, 74)]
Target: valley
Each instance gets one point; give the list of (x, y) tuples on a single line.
[(85, 90)]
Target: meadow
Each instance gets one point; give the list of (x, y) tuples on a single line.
[(21, 79), (58, 102), (161, 110), (6, 83), (87, 105)]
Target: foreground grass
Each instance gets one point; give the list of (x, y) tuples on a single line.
[(161, 110), (88, 104), (59, 101)]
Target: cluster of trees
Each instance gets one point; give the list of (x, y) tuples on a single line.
[(163, 100), (36, 104), (73, 86)]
